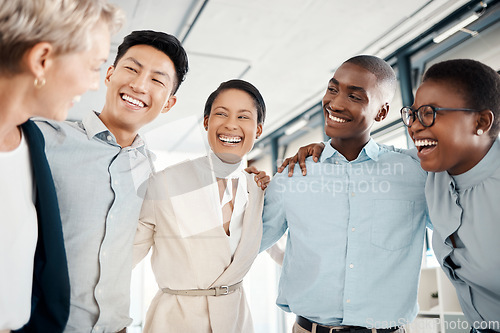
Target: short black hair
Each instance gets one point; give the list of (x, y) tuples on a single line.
[(163, 42), (476, 82), (382, 71), (243, 86)]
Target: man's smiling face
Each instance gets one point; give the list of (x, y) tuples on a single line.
[(139, 88)]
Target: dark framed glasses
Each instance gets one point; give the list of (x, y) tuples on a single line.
[(426, 114)]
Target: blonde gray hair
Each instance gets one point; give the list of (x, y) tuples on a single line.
[(66, 24)]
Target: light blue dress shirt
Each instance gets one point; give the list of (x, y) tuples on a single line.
[(467, 206), (355, 237), (97, 184)]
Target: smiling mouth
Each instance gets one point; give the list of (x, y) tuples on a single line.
[(334, 118), (133, 101), (424, 145), (230, 139)]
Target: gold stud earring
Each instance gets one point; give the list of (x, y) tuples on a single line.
[(480, 132), (39, 83)]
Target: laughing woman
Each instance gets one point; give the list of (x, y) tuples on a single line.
[(203, 220), (50, 53), (455, 122)]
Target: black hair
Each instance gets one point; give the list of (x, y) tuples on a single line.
[(382, 71), (163, 42), (477, 83), (243, 86)]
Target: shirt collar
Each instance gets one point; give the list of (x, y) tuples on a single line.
[(371, 150), (95, 127), (484, 169)]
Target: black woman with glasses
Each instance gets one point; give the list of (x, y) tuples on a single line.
[(454, 123)]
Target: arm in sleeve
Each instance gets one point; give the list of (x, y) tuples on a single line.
[(273, 216), (144, 236)]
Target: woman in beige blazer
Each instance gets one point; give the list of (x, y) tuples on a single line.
[(203, 220)]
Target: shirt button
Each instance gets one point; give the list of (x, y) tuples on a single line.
[(348, 301), (104, 253), (116, 182), (109, 137), (96, 328), (353, 194), (351, 266), (336, 162), (353, 229), (110, 216), (99, 291)]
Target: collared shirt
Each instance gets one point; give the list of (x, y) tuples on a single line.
[(467, 206), (355, 237), (97, 184)]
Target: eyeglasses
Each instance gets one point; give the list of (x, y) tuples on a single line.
[(426, 114)]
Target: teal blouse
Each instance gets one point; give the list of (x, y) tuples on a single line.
[(467, 206)]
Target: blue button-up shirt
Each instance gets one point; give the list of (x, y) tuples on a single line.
[(98, 184), (467, 206), (355, 237)]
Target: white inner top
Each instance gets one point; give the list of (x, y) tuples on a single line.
[(18, 236)]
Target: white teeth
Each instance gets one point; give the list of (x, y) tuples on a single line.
[(230, 139), (425, 142), (132, 100), (336, 119)]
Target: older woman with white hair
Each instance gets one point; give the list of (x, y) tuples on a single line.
[(50, 54)]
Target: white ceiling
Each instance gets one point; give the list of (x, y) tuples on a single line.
[(287, 48)]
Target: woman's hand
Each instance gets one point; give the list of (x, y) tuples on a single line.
[(313, 149), (261, 178)]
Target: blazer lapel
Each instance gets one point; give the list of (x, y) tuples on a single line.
[(51, 290), (251, 235)]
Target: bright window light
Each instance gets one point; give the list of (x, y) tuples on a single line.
[(462, 24)]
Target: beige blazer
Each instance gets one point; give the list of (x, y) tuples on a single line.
[(179, 220)]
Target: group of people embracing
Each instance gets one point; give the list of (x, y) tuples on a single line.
[(81, 204)]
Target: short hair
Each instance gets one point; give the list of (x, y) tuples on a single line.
[(381, 69), (477, 83), (243, 86), (163, 42), (66, 24)]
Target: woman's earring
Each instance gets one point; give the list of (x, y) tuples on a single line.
[(480, 132), (206, 127), (39, 83)]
